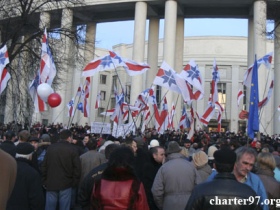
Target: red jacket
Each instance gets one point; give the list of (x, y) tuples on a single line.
[(118, 194)]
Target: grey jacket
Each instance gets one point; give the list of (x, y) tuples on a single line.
[(174, 183)]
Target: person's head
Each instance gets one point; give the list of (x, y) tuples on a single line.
[(258, 145), (109, 149), (66, 135), (34, 141), (9, 136), (45, 138), (131, 143), (266, 160), (245, 160), (187, 143), (185, 152), (173, 147), (122, 157), (86, 139), (24, 136), (199, 159), (91, 144), (153, 143), (224, 160), (158, 154), (9, 147), (24, 150)]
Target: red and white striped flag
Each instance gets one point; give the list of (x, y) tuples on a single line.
[(97, 102), (47, 66), (240, 95), (171, 116), (4, 74), (266, 99)]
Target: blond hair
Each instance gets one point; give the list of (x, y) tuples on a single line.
[(266, 160)]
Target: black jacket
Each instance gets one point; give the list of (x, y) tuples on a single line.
[(61, 167), (224, 186), (28, 192)]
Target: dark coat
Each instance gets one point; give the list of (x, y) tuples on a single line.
[(270, 184), (224, 186), (28, 192), (150, 170), (86, 186), (61, 167)]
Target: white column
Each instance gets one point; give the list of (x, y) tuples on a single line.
[(169, 45), (276, 127), (138, 47), (153, 39), (260, 50), (66, 73), (178, 66), (234, 91)]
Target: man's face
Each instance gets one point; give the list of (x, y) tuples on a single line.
[(86, 139), (134, 146), (244, 165), (187, 145), (159, 156), (34, 144)]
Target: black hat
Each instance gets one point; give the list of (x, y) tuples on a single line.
[(187, 141), (225, 156), (33, 139), (9, 147), (173, 147), (24, 148)]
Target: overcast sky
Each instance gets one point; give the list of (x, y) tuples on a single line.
[(109, 34)]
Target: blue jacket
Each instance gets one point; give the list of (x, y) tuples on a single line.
[(254, 182)]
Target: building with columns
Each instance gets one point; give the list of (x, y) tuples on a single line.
[(233, 54)]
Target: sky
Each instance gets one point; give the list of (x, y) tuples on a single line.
[(109, 34)]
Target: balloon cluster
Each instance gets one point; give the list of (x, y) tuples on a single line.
[(47, 94)]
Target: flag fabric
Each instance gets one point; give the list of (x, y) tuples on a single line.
[(214, 82), (168, 78), (4, 57), (79, 91), (108, 112), (39, 104), (266, 60), (97, 102), (146, 118), (131, 67), (266, 99), (165, 78), (100, 64), (240, 95), (164, 117), (243, 115), (192, 120), (47, 65), (70, 106), (87, 87), (4, 74), (4, 78), (183, 119), (219, 116), (208, 114), (171, 116), (191, 73), (253, 119), (85, 108)]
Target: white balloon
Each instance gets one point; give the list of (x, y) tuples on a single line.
[(44, 90)]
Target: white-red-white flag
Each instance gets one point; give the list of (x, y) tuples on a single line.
[(240, 95), (97, 102), (47, 66)]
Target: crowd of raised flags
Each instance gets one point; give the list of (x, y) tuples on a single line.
[(187, 83)]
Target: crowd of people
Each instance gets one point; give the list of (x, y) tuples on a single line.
[(54, 167)]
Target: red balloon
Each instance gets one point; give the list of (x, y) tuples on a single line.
[(54, 100)]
